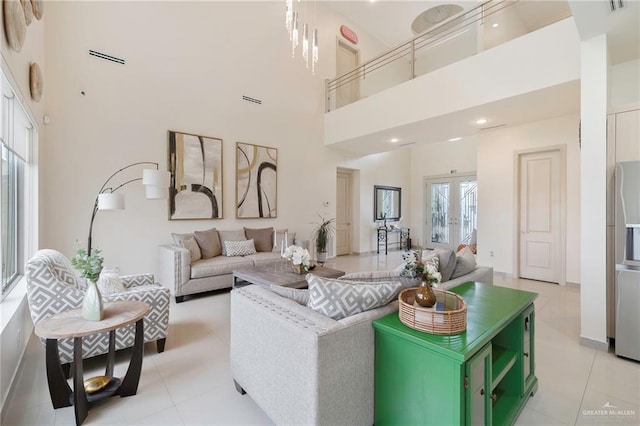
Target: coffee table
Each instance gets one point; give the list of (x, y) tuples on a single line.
[(71, 324), (280, 274)]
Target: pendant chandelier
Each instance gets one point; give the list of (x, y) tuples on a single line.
[(292, 23)]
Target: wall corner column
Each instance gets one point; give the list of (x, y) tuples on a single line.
[(593, 158)]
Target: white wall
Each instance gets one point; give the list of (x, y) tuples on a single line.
[(496, 150), (389, 169), (186, 70), (624, 83), (435, 160)]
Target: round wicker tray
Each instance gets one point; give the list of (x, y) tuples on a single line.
[(452, 320)]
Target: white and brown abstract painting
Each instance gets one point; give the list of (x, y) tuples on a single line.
[(195, 163), (256, 181)]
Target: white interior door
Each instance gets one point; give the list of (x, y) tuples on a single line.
[(343, 213), (347, 59), (451, 206), (539, 257)]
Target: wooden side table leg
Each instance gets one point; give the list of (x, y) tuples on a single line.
[(58, 387), (130, 382), (80, 404), (111, 355)]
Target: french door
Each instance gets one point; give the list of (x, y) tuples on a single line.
[(451, 211)]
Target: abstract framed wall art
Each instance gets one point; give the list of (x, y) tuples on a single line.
[(195, 163), (256, 181)]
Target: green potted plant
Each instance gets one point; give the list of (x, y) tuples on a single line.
[(324, 230)]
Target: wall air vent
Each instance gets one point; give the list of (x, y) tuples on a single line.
[(615, 5), (249, 99), (106, 57)]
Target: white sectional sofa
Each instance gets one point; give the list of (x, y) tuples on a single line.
[(199, 262), (311, 369)]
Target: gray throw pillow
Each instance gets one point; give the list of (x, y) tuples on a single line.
[(447, 262), (230, 236), (300, 296), (209, 243), (188, 241), (262, 238), (465, 263), (339, 299)]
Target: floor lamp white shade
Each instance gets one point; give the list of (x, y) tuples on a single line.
[(160, 178), (153, 192), (110, 201)]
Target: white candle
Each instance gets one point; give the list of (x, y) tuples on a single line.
[(282, 248), (286, 239)]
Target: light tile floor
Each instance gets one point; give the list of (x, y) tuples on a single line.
[(190, 383)]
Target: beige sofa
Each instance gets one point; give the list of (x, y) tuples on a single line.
[(185, 272), (310, 369)]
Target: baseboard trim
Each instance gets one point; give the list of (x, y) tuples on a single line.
[(595, 344)]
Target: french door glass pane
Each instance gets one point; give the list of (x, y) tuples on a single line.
[(468, 210), (440, 213)]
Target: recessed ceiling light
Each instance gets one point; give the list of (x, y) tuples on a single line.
[(495, 25), (394, 140), (455, 139), (481, 121)]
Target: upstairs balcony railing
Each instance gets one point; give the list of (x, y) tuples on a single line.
[(462, 35)]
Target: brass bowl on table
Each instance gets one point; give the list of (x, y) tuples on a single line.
[(96, 384)]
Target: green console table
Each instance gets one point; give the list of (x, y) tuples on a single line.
[(484, 375)]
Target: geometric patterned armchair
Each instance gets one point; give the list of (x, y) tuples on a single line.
[(53, 286)]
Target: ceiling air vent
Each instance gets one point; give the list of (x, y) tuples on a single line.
[(249, 99), (615, 5), (106, 57), (492, 127)]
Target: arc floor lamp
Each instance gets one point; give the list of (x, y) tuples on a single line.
[(156, 184)]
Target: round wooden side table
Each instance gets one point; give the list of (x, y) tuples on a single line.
[(71, 324)]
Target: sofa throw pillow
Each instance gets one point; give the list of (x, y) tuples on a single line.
[(339, 299), (191, 245), (447, 262), (209, 243), (230, 236), (465, 263), (240, 248), (300, 296), (262, 238), (284, 239), (110, 283)]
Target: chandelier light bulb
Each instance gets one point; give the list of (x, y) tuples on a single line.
[(314, 51), (294, 35), (305, 44), (288, 17)]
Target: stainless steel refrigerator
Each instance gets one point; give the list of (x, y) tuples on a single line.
[(627, 255)]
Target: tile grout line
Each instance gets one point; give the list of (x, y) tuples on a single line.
[(584, 392)]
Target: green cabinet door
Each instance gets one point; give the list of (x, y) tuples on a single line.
[(528, 351), (478, 387)]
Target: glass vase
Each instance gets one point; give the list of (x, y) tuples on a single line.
[(92, 309), (425, 296), (298, 269)]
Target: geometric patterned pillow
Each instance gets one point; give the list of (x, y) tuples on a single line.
[(339, 299), (240, 248)]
